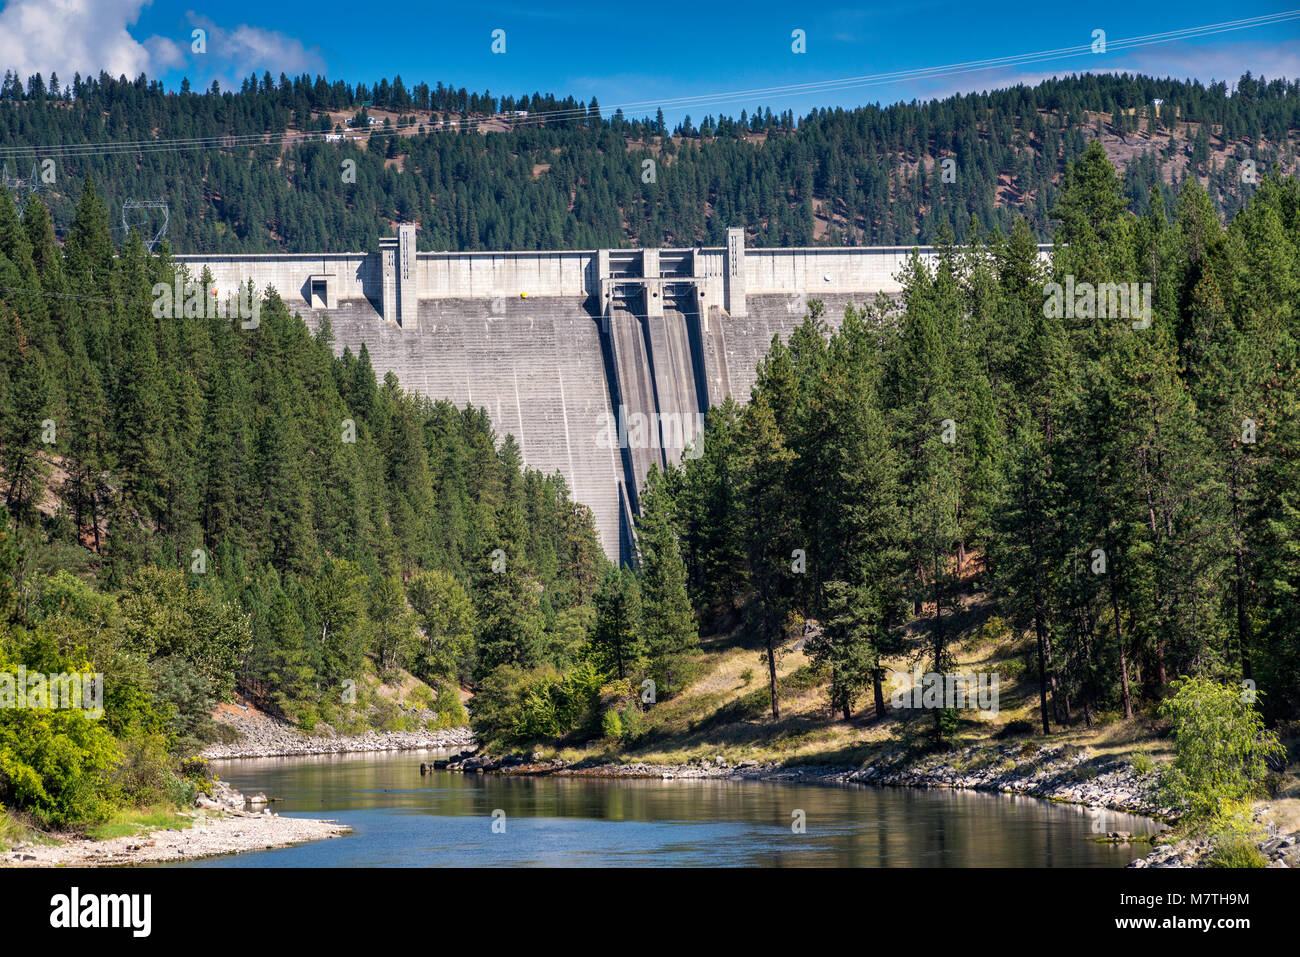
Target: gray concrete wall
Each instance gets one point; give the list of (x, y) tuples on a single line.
[(537, 368), (519, 275), (508, 275), (531, 337), (822, 270), (357, 273)]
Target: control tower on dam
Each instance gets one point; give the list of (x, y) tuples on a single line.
[(600, 362)]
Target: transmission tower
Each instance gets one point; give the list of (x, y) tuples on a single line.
[(142, 224), (18, 185)]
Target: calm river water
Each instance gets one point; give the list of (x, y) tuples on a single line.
[(401, 819)]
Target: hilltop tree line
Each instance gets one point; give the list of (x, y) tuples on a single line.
[(1119, 485), (196, 507), (579, 179)]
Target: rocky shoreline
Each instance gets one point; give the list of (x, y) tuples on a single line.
[(1052, 773), (262, 736), (222, 824), (1280, 849), (1063, 774), (1059, 773)]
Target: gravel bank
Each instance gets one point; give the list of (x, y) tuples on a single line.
[(221, 825), (264, 736)]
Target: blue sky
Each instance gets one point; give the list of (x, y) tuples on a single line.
[(634, 51)]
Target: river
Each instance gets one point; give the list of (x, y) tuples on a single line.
[(403, 819)]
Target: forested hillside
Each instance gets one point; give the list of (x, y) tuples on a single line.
[(238, 174), (193, 508), (1125, 494)]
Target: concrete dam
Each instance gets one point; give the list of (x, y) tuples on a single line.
[(600, 363)]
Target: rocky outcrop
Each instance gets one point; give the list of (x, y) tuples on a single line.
[(222, 798)]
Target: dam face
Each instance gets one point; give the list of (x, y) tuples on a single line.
[(601, 363)]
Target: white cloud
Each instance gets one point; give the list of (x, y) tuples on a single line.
[(246, 49), (164, 54), (69, 36), (89, 36)]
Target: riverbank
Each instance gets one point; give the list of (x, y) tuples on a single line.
[(1055, 773), (220, 825), (1109, 776), (1062, 774), (1279, 849), (260, 735)]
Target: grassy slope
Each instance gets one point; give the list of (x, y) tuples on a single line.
[(726, 711)]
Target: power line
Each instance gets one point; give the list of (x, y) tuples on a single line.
[(971, 66), (46, 294), (699, 100)]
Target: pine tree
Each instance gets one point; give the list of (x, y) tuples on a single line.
[(769, 531), (844, 644), (669, 626), (928, 424), (1026, 539), (510, 622), (616, 640)]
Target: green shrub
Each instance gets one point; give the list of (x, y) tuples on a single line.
[(420, 698), (224, 733), (1143, 763), (1221, 750), (385, 715), (450, 709), (55, 763), (145, 769), (180, 791), (1236, 851), (947, 724), (513, 706), (1012, 669), (611, 725), (328, 711), (352, 723), (1234, 839), (14, 829), (633, 722), (993, 630), (307, 718)]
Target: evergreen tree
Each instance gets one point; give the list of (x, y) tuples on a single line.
[(769, 530), (617, 643), (669, 627)]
